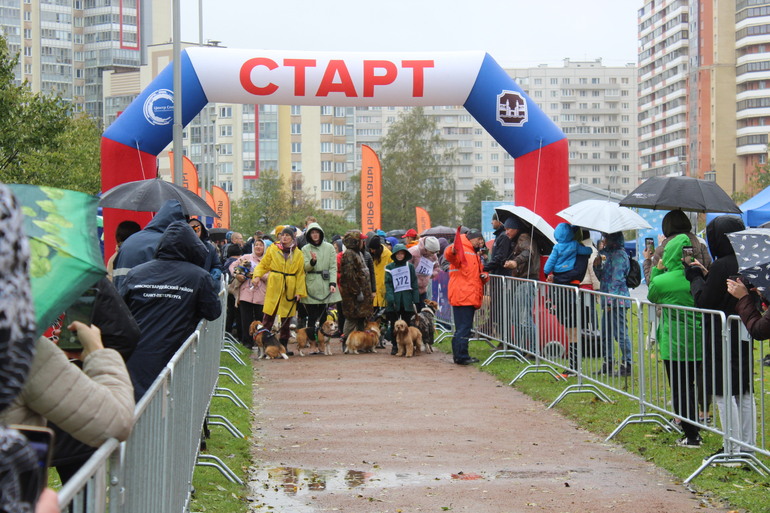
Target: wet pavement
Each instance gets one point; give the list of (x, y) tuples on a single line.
[(376, 433)]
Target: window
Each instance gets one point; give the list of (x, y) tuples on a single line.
[(226, 168), (340, 186), (327, 110), (339, 167), (326, 204), (326, 147), (226, 130), (326, 185), (296, 147), (538, 94), (340, 130), (296, 110), (226, 149), (225, 112), (554, 81), (326, 166), (296, 128), (338, 204), (296, 167)]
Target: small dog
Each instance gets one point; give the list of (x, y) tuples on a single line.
[(364, 341), (425, 322), (323, 343), (408, 339), (268, 346)]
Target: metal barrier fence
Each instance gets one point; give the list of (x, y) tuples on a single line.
[(153, 469), (688, 370)]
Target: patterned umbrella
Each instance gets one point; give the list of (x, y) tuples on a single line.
[(752, 248), (64, 248)]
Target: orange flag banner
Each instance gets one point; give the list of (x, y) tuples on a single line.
[(371, 190), (210, 201), (189, 174), (221, 207), (423, 219)]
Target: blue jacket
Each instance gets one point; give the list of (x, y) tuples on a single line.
[(168, 296), (140, 247), (566, 249)]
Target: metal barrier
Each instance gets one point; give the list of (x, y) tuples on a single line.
[(153, 469), (668, 360)]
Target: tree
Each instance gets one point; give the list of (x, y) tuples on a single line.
[(758, 181), (265, 206), (414, 172), (483, 191), (35, 129)]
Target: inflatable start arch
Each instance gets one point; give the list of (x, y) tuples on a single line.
[(472, 79)]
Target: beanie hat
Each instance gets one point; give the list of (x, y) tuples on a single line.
[(431, 244), (475, 235), (411, 232), (511, 224), (392, 241), (289, 231)]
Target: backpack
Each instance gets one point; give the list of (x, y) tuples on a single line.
[(634, 276)]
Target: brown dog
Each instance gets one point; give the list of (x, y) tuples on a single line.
[(363, 341), (323, 343), (408, 339), (268, 346)]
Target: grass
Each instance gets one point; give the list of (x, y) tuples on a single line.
[(213, 492), (741, 489)]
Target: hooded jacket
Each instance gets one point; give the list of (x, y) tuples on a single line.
[(286, 280), (674, 223), (168, 296), (612, 272), (466, 287), (403, 300), (430, 264), (326, 260), (679, 333), (500, 251), (565, 251), (140, 247), (213, 262), (379, 270), (710, 292), (355, 282)]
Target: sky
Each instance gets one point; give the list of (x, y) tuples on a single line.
[(516, 33)]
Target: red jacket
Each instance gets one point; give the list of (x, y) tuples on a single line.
[(466, 288)]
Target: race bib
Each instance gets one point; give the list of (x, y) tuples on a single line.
[(425, 266), (401, 279)]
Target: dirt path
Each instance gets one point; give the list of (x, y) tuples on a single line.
[(375, 433)]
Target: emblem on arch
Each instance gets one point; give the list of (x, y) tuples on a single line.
[(512, 108)]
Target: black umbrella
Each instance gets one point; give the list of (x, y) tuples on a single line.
[(680, 193), (442, 231), (150, 195), (217, 234), (396, 233)]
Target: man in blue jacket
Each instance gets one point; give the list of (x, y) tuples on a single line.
[(168, 296), (140, 247)]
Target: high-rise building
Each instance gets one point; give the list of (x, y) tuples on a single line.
[(65, 46)]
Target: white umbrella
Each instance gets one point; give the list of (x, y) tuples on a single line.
[(603, 216), (543, 230)]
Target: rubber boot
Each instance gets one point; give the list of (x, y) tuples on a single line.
[(285, 343)]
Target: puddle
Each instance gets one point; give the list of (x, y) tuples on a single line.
[(291, 489)]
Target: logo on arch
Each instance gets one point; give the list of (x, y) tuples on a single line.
[(159, 107), (511, 109)]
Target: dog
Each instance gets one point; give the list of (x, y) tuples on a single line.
[(425, 322), (268, 346), (323, 343), (408, 339), (364, 341)]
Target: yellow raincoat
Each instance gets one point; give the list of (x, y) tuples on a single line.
[(286, 280), (379, 276)]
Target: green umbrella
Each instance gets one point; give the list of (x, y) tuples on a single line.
[(64, 247)]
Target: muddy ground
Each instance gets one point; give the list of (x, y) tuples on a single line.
[(376, 433)]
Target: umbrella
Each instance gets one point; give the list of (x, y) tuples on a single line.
[(64, 247), (603, 216), (150, 195), (399, 234), (442, 231), (217, 234), (752, 248), (542, 231), (680, 193)]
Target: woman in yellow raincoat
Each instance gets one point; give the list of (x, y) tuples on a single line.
[(286, 283)]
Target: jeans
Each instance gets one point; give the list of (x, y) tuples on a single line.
[(463, 317), (523, 322), (614, 327)]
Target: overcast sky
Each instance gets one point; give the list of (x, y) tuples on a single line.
[(517, 33)]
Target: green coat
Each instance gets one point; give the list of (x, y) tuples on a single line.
[(679, 332), (406, 299), (326, 260)]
